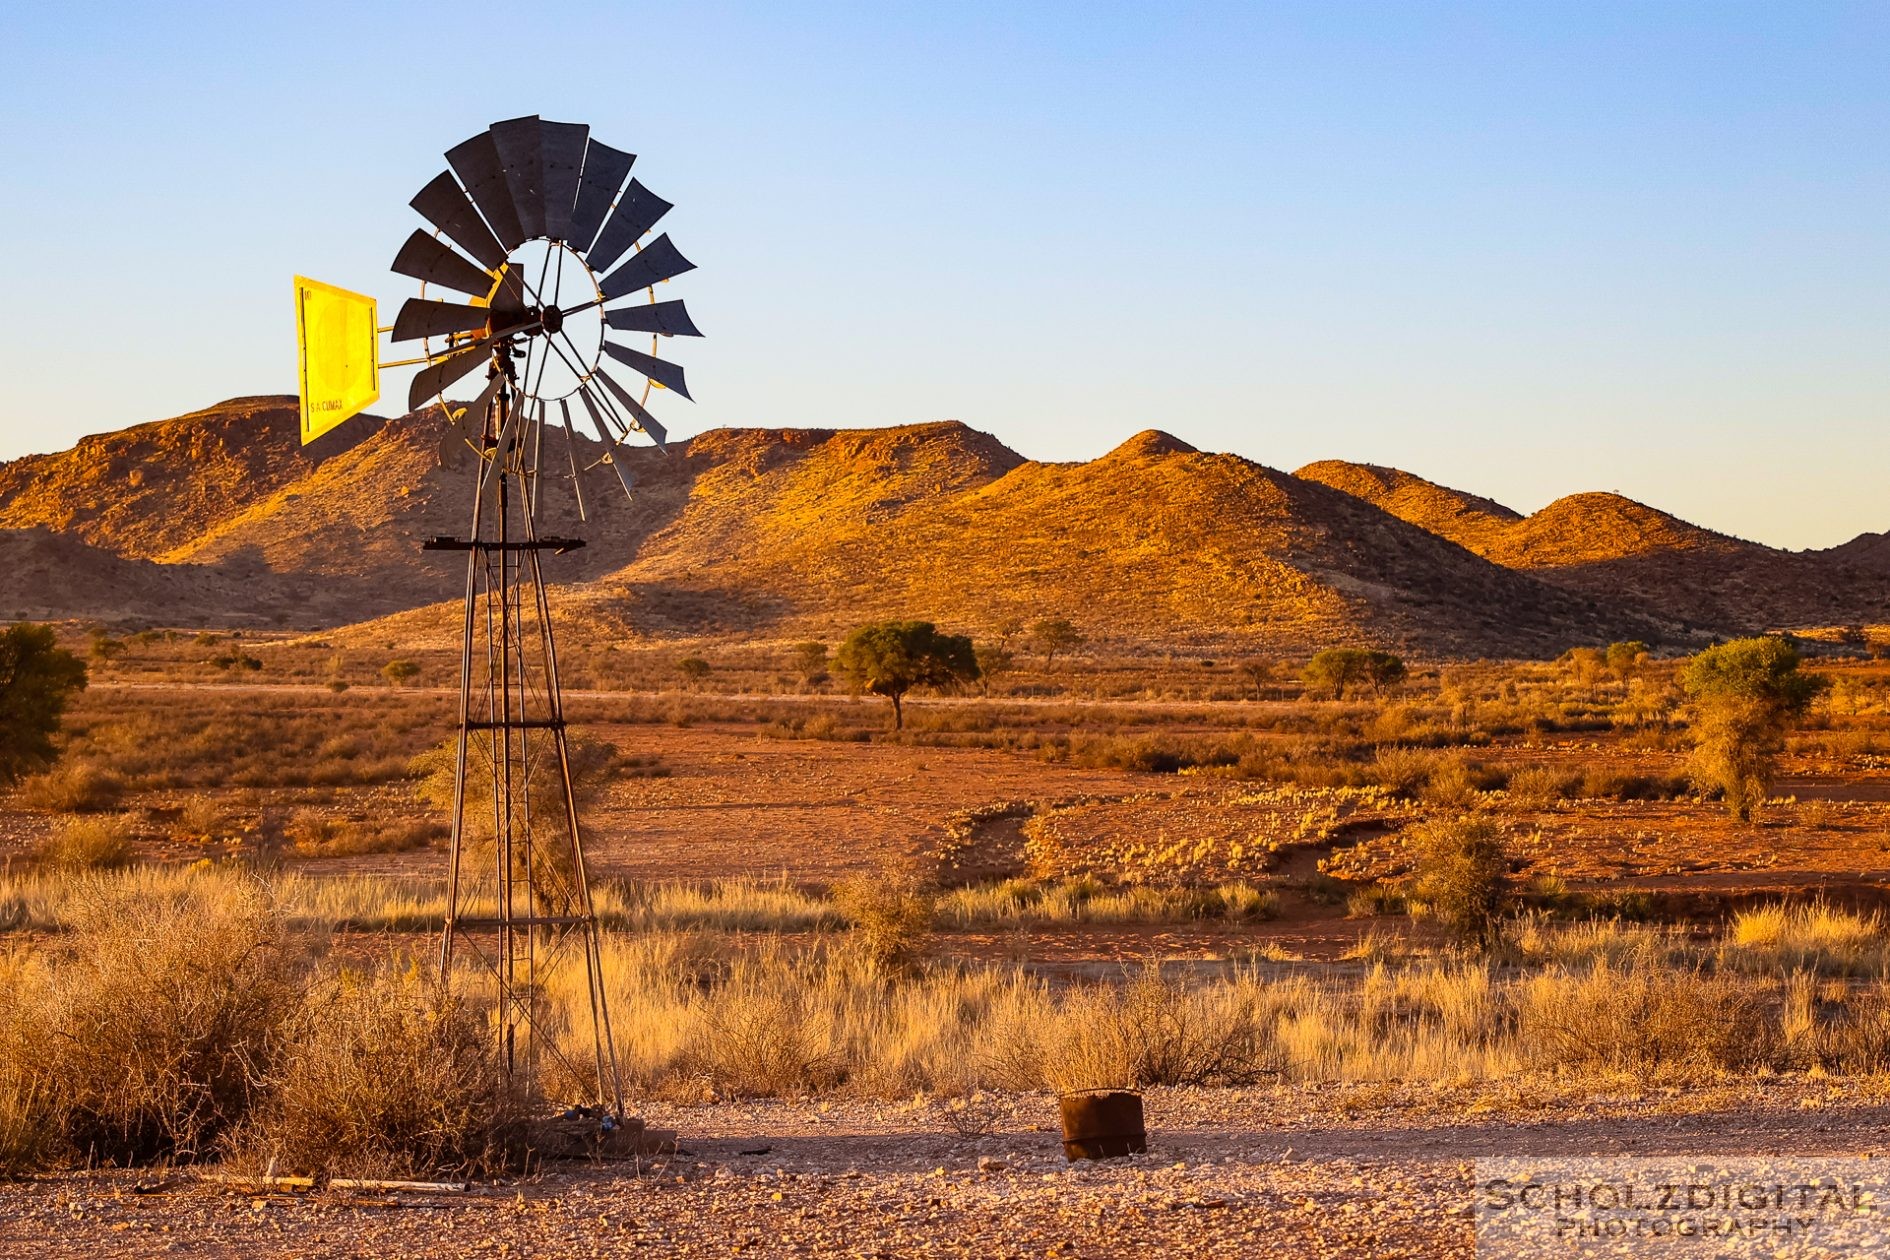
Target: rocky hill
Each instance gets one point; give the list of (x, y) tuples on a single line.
[(1612, 547), (230, 488), (221, 515), (1153, 544), (45, 575)]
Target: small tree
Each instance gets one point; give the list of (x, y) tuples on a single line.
[(1006, 629), (890, 658), (694, 669), (810, 662), (1053, 635), (1745, 695), (103, 647), (1626, 657), (994, 661), (1384, 671), (1259, 675), (1334, 670), (400, 672), (37, 678)]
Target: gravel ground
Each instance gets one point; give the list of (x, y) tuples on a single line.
[(1338, 1171)]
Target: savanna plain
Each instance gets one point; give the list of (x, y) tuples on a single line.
[(1347, 929)]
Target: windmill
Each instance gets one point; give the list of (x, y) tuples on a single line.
[(543, 245)]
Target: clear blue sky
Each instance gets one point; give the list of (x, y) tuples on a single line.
[(1522, 248)]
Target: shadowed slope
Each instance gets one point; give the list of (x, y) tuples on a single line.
[(46, 576)]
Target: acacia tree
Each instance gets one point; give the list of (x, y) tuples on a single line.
[(890, 658), (1053, 635), (1745, 695), (1338, 670), (37, 678)]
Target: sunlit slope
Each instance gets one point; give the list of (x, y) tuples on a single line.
[(1466, 519), (1154, 543)]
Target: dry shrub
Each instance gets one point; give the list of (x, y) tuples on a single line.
[(72, 787), (201, 819), (1859, 1040), (592, 764), (1640, 1019), (762, 1040), (891, 915), (29, 1123), (1543, 785), (1373, 900), (89, 844), (1462, 877), (314, 834), (384, 1076), (1153, 1031), (977, 1114), (164, 1015)]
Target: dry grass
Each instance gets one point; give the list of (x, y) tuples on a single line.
[(72, 786), (1086, 899), (1816, 937), (176, 1014), (315, 834)]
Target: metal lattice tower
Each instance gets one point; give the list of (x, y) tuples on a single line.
[(518, 890)]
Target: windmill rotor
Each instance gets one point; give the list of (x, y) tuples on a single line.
[(542, 229)]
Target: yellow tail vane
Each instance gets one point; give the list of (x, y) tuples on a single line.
[(339, 356)]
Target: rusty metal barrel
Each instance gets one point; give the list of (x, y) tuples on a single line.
[(1102, 1124)]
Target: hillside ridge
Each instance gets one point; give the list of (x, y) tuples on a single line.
[(769, 532)]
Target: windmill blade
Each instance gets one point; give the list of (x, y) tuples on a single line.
[(666, 319), (655, 262), (444, 205), (623, 474), (645, 422), (662, 371), (534, 473), (605, 431), (521, 156), (562, 148), (635, 214), (434, 378), (604, 169), (422, 317), (476, 162), (425, 258), (509, 303), (476, 409), (570, 446)]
